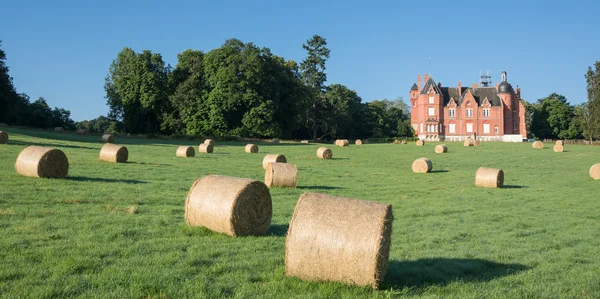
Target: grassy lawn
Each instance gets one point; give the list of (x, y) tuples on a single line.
[(117, 230)]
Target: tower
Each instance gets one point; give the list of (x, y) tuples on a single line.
[(506, 95)]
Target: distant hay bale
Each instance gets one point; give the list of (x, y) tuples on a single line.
[(559, 142), (559, 148), (59, 129), (185, 151), (489, 177), (42, 162), (111, 152), (441, 148), (209, 141), (251, 148), (595, 171), (339, 239), (358, 142), (234, 206), (342, 142), (275, 141), (304, 141), (396, 141), (420, 142), (422, 165), (82, 132), (404, 141), (469, 142), (3, 137), (281, 175), (324, 153), (273, 158), (205, 148), (477, 143), (108, 138), (538, 144)]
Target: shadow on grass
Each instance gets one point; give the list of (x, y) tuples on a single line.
[(103, 180), (514, 187), (144, 163), (278, 229), (47, 144), (319, 187), (442, 271), (439, 171)]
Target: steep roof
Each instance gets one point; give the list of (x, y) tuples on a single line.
[(414, 87), (429, 83), (479, 93)]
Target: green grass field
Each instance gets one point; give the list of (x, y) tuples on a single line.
[(117, 230)]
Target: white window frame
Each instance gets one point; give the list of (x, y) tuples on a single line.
[(486, 128), (486, 112), (431, 99), (469, 112), (430, 111), (469, 127), (451, 112), (452, 128)]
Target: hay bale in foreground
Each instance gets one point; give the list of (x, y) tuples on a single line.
[(469, 142), (324, 242), (275, 141), (273, 158), (81, 132), (559, 142), (558, 148), (205, 148), (304, 141), (342, 142), (358, 142), (422, 165), (209, 141), (114, 153), (59, 129), (420, 142), (108, 138), (441, 148), (3, 137), (234, 206), (251, 148), (595, 171), (324, 153), (42, 162), (489, 177), (185, 151), (538, 144), (281, 175)]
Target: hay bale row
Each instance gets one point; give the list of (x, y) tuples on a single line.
[(324, 242), (489, 177), (422, 165), (185, 151), (441, 148), (42, 162), (114, 153), (558, 148), (82, 132), (205, 148), (404, 141), (281, 175), (342, 142), (324, 153), (476, 143), (275, 141), (251, 148), (595, 171), (304, 141), (538, 145), (273, 158), (108, 138), (3, 137), (234, 206), (396, 141), (469, 142), (420, 142), (358, 142)]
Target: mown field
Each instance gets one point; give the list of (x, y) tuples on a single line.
[(117, 230)]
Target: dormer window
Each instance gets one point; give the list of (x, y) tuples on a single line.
[(469, 112), (486, 112)]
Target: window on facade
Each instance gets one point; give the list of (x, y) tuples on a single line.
[(495, 130), (486, 112), (452, 128), (414, 103), (430, 100), (430, 111), (486, 128), (451, 112), (469, 112), (469, 128), (421, 128)]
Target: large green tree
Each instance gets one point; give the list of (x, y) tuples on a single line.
[(552, 118), (590, 113), (314, 76)]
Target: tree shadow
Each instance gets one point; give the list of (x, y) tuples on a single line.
[(514, 187), (441, 271), (144, 163), (48, 144), (278, 230), (319, 187), (104, 180), (439, 171)]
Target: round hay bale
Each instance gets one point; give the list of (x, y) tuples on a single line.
[(559, 148), (304, 141), (477, 143), (185, 151), (82, 132), (422, 165), (404, 141), (234, 206), (358, 142), (251, 148), (281, 175), (275, 141), (595, 171), (396, 141), (469, 142), (559, 142), (111, 152), (489, 177), (108, 138), (205, 148), (324, 153), (59, 129), (209, 141), (3, 137), (538, 144), (342, 142), (441, 148), (273, 158), (42, 162), (420, 142), (324, 242)]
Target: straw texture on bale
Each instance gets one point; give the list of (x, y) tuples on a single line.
[(234, 206), (559, 148), (342, 142), (422, 165), (538, 144), (339, 239), (420, 142), (281, 175), (82, 132), (273, 158), (595, 171), (441, 148), (304, 141), (251, 148), (358, 142), (205, 148), (324, 153), (404, 141), (59, 129), (185, 151), (559, 142), (42, 162), (275, 141), (489, 177), (3, 137), (108, 138), (469, 142), (209, 141), (114, 153)]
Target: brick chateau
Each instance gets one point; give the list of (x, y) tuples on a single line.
[(489, 113)]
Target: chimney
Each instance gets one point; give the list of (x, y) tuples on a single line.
[(419, 84), (474, 85), (497, 87), (426, 78), (518, 92), (459, 89), (440, 85)]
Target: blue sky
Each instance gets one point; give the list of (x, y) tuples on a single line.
[(61, 50)]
